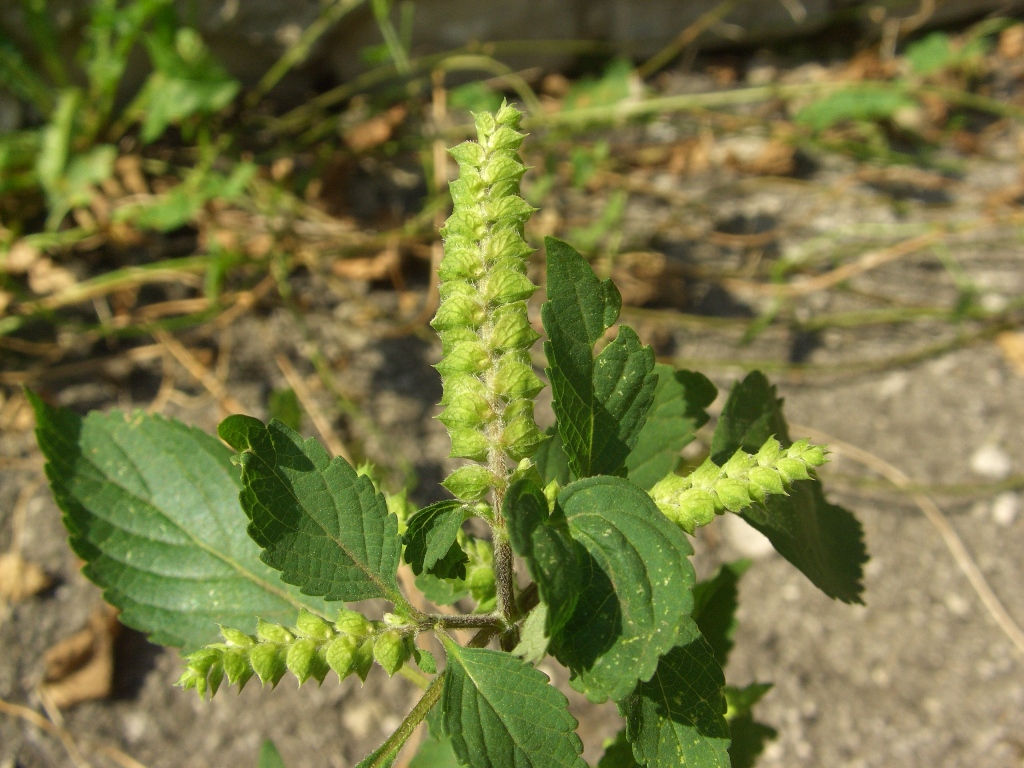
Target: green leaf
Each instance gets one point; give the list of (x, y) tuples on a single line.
[(533, 636), (269, 756), (618, 753), (600, 404), (678, 411), (441, 591), (748, 735), (861, 101), (714, 608), (323, 526), (485, 717), (435, 752), (551, 461), (283, 405), (152, 507), (551, 556), (431, 538), (678, 717), (823, 540), (637, 586)]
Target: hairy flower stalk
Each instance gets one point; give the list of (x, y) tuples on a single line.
[(710, 490), (488, 380)]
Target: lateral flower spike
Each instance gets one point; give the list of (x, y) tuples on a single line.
[(488, 380), (745, 479), (309, 650)]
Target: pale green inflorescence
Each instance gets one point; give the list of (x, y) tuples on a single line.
[(310, 649), (694, 500), (488, 379)]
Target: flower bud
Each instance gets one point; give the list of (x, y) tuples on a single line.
[(466, 411), (732, 494), (460, 264), (303, 661), (391, 651), (470, 483), (507, 285), (272, 633), (468, 154), (459, 311), (353, 623), (339, 654), (468, 443), (515, 379), (268, 662), (362, 659), (512, 209), (767, 480), (310, 625), (511, 329), (236, 666), (506, 138), (692, 509), (237, 637), (506, 248), (738, 464), (792, 469), (465, 357), (485, 126), (459, 386), (769, 452)]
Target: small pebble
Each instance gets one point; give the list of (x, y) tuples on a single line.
[(1005, 507), (991, 461)]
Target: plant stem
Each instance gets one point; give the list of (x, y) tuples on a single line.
[(389, 749)]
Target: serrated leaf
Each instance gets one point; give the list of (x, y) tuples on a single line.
[(714, 608), (269, 756), (484, 714), (748, 735), (637, 586), (151, 505), (677, 412), (431, 538), (618, 753), (600, 404), (677, 718), (823, 540), (551, 555), (323, 526)]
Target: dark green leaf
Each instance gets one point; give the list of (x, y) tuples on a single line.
[(714, 608), (551, 461), (283, 405), (500, 712), (551, 556), (269, 756), (618, 754), (823, 540), (151, 505), (678, 411), (748, 735), (678, 717), (431, 538), (600, 404), (637, 586), (323, 526)]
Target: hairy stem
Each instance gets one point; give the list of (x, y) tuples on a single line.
[(385, 755)]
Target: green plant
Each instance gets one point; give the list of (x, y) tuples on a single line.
[(74, 150), (594, 509)]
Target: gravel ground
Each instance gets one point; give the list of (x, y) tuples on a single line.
[(920, 676)]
